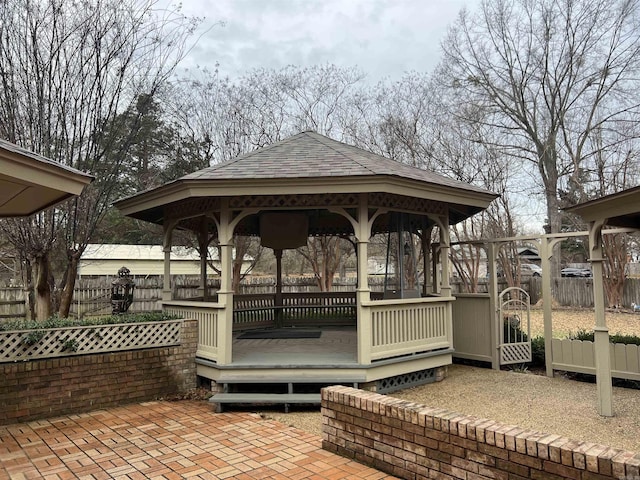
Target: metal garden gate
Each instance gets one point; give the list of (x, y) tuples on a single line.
[(515, 326)]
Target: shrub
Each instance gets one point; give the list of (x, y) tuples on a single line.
[(57, 322), (615, 338), (537, 352)]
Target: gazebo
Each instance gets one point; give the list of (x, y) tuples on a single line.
[(311, 185)]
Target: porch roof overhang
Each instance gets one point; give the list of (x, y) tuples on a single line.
[(620, 209), (30, 182), (319, 172)]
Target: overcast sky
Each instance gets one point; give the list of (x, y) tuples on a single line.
[(384, 38)]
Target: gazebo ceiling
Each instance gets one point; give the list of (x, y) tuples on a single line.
[(307, 172)]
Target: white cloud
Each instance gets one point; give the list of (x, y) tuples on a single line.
[(384, 38)]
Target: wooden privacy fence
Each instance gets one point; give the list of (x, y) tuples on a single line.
[(92, 296), (567, 291), (12, 302)]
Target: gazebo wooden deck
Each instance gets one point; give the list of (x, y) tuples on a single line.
[(310, 185)]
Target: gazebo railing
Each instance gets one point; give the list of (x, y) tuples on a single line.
[(253, 310), (308, 308), (335, 308), (404, 327), (208, 316), (398, 327)]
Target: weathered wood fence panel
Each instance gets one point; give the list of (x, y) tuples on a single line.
[(12, 302), (93, 294)]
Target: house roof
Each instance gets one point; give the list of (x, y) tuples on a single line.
[(30, 182), (620, 209), (110, 251), (125, 252)]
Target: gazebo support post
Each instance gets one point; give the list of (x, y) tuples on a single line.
[(203, 245), (445, 281), (601, 332), (425, 238), (492, 257), (166, 247), (362, 231), (435, 270), (278, 298), (545, 247), (225, 294)]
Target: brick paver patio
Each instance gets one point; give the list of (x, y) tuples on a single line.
[(168, 440)]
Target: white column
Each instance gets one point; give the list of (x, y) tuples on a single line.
[(363, 292), (445, 285), (426, 261), (601, 332), (546, 252), (496, 324), (278, 297), (225, 294), (435, 268), (166, 280), (203, 246)]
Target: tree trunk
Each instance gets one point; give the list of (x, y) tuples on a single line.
[(69, 285), (236, 275), (29, 298), (42, 287), (615, 251), (549, 172)]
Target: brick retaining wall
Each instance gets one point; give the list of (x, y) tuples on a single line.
[(46, 388), (412, 441)]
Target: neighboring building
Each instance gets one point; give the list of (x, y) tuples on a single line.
[(143, 260), (529, 254)]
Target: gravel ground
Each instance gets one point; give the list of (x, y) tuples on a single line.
[(551, 405), (567, 321)]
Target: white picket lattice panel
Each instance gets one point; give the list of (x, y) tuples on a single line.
[(515, 353), (61, 342)]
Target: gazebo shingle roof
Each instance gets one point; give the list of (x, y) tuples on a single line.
[(311, 155)]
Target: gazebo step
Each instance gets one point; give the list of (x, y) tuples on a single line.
[(265, 378), (264, 398)]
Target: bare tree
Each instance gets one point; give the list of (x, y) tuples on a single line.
[(395, 120), (549, 73), (67, 72), (325, 255), (261, 107), (615, 169)]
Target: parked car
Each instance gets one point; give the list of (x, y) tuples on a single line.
[(526, 270), (530, 270), (575, 272)]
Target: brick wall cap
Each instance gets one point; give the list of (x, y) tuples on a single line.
[(623, 457)]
